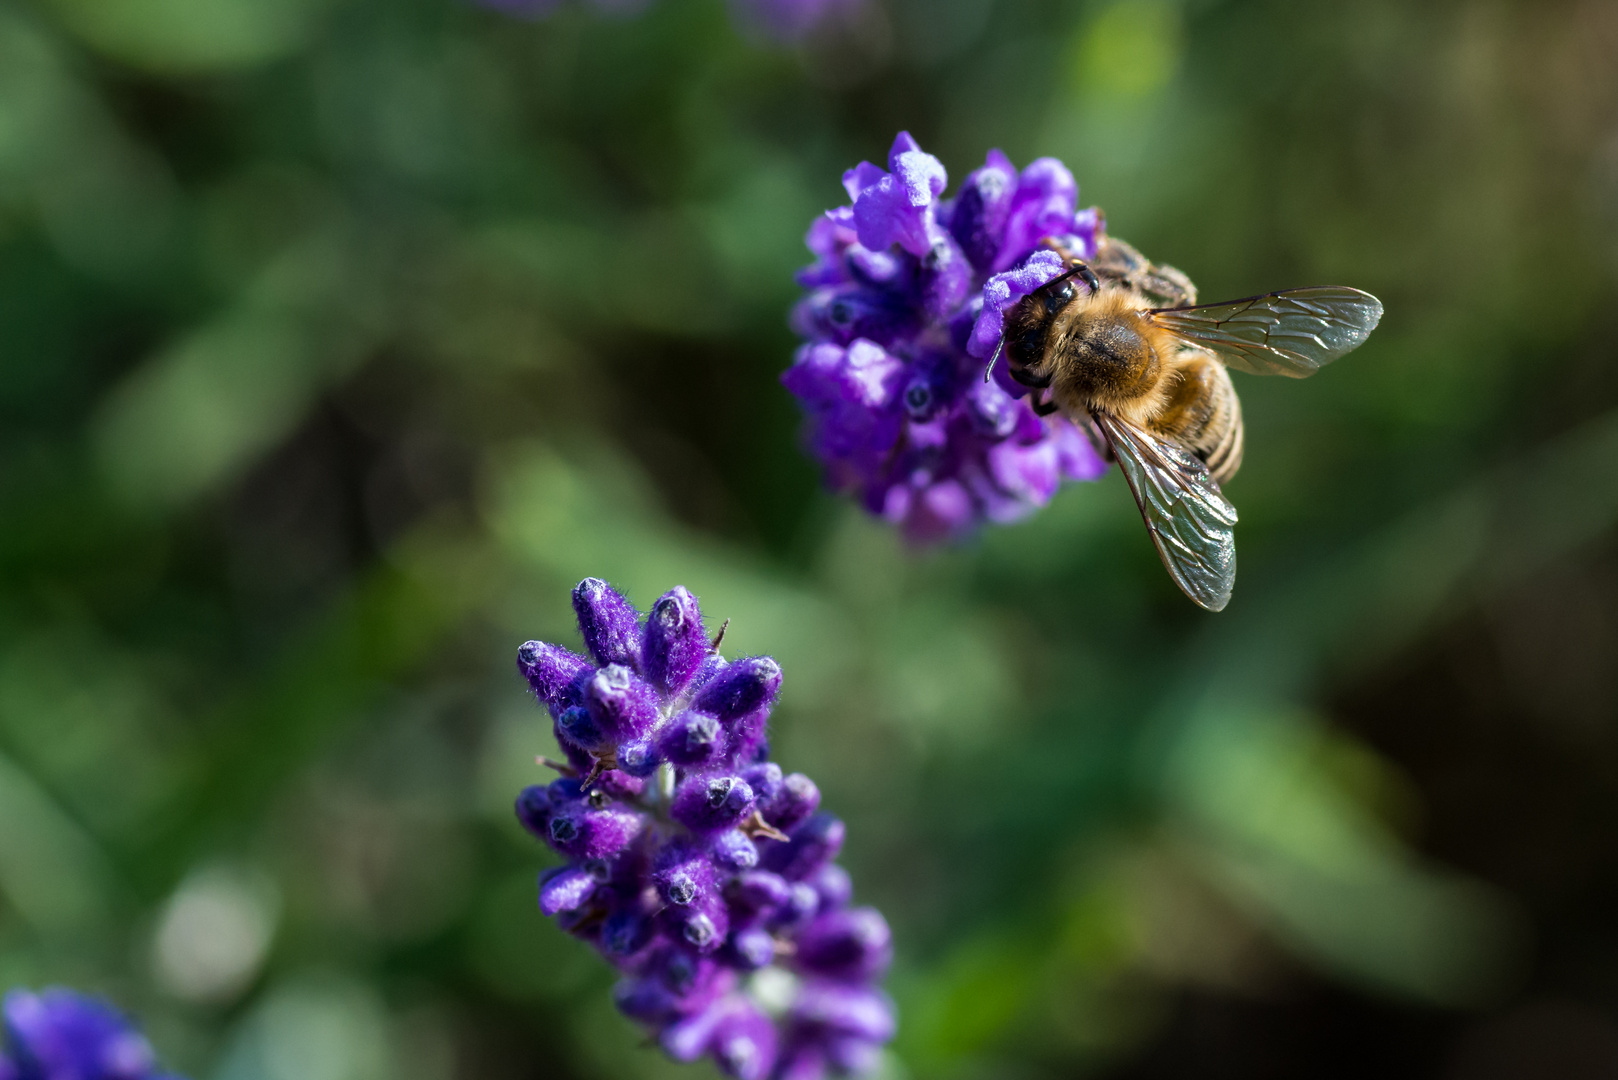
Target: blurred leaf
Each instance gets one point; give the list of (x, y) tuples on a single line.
[(50, 871), (193, 35), (1272, 825)]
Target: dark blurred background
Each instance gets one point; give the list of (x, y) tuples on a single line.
[(339, 338)]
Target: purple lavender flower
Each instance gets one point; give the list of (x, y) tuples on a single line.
[(791, 20), (696, 867), (906, 288), (58, 1034), (783, 20)]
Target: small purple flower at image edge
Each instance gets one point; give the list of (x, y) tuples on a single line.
[(695, 866), (60, 1034), (782, 20), (905, 302)]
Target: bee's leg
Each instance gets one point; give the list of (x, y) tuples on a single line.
[(1041, 407), (1103, 448), (1027, 378)]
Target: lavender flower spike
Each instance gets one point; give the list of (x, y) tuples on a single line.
[(695, 866), (58, 1034), (906, 287)]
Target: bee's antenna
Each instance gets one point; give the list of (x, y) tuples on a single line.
[(990, 369)]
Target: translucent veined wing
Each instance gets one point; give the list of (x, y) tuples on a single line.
[(1294, 332), (1190, 521)]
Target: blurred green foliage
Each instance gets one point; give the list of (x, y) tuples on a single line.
[(338, 338)]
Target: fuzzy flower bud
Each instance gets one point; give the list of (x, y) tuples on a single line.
[(675, 643), (792, 802), (608, 622), (622, 706), (565, 889), (853, 945), (672, 822), (742, 688), (550, 671), (734, 851), (711, 804), (693, 739), (812, 845)]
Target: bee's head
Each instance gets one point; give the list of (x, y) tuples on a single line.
[(1028, 325)]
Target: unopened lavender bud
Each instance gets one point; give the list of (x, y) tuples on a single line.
[(681, 888), (626, 933), (732, 850), (765, 779), (638, 758), (803, 903), (741, 688), (684, 874), (849, 1010), (693, 740), (750, 948), (564, 889), (795, 800), (833, 884), (758, 892), (534, 810), (687, 974), (852, 1057), (804, 1061), (622, 705), (550, 671), (706, 804), (700, 932), (852, 945), (577, 727), (688, 1039), (700, 925), (675, 643), (744, 1044), (812, 845), (647, 1000), (592, 834), (608, 622), (621, 784)]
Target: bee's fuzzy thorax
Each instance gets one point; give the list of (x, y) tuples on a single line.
[(1101, 354)]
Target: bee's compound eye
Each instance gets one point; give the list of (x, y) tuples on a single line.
[(1028, 347)]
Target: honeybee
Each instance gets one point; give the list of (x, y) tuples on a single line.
[(1123, 348)]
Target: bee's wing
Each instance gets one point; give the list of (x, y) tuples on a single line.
[(1190, 521), (1295, 332)]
